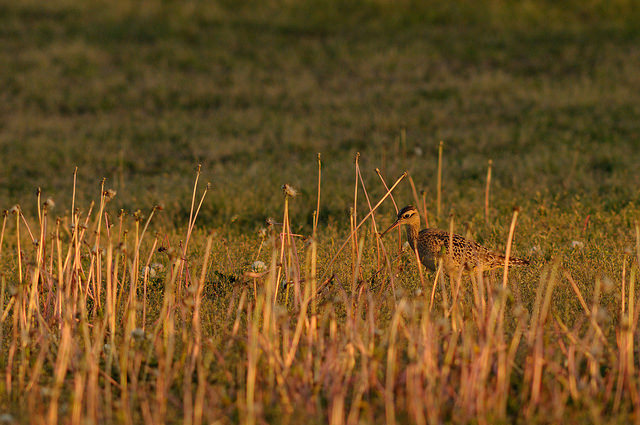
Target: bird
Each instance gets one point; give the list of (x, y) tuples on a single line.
[(458, 253)]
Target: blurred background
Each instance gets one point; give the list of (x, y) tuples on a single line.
[(140, 92)]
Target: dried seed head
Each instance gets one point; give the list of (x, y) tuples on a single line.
[(14, 209), (289, 191), (258, 266), (577, 244), (602, 316), (49, 204), (607, 284), (149, 271), (137, 333), (535, 250), (109, 194), (519, 311), (262, 232)]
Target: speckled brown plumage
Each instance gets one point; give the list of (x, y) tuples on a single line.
[(456, 251)]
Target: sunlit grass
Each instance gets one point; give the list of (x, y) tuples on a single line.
[(107, 320), (129, 294)]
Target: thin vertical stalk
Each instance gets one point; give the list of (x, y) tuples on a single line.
[(439, 182), (486, 193), (365, 219), (315, 217), (508, 250)]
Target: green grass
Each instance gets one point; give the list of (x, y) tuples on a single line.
[(140, 93)]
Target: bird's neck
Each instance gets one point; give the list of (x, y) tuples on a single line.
[(412, 234)]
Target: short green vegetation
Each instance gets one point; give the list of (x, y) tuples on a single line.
[(141, 304)]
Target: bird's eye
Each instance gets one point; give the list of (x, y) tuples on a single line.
[(406, 215)]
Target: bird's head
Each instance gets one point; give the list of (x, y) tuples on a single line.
[(408, 215)]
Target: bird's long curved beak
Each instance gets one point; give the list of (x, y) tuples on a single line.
[(393, 226)]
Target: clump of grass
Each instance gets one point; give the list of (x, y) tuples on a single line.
[(83, 341)]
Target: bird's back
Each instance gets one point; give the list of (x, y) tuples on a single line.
[(457, 251)]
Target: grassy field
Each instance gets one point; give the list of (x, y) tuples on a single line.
[(131, 300)]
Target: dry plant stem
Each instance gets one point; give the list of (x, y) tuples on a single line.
[(193, 409), (356, 269), (193, 214), (317, 214), (97, 232), (26, 226), (146, 280), (283, 243), (435, 283), (4, 223), (302, 316), (355, 207), (391, 364), (574, 286), (365, 219), (73, 197), (424, 208), (423, 285), (486, 193), (395, 206), (439, 182), (18, 247), (623, 284), (508, 250), (35, 277), (538, 340), (590, 313), (374, 226), (417, 201), (60, 369)]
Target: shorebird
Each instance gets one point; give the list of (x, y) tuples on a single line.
[(455, 251)]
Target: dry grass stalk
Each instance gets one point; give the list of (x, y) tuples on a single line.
[(486, 193), (439, 181), (469, 357)]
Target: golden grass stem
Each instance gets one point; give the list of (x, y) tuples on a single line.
[(419, 205), (486, 193), (73, 197), (317, 214), (18, 246), (5, 214), (439, 181), (507, 254), (374, 226), (365, 219), (391, 365), (424, 208), (355, 207), (395, 206)]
